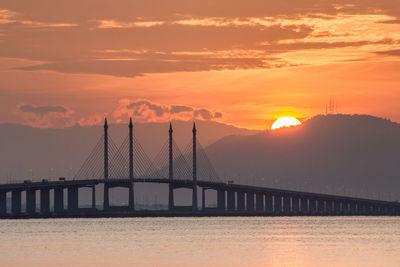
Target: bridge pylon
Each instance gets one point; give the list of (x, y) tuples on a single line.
[(171, 171), (131, 185), (106, 203), (194, 194)]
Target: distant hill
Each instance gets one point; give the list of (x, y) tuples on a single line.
[(64, 150), (343, 154)]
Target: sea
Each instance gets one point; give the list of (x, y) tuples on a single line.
[(205, 241)]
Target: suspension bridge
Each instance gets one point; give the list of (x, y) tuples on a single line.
[(126, 165)]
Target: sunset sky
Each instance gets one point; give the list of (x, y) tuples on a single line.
[(239, 62)]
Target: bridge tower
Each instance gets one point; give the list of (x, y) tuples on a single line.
[(194, 199), (171, 172), (106, 204), (131, 187)]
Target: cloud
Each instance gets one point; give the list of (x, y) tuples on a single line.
[(11, 17), (45, 116), (193, 36), (179, 109), (394, 52), (142, 106), (147, 111), (42, 110), (94, 119)]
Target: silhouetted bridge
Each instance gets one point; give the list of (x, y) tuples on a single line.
[(108, 166)]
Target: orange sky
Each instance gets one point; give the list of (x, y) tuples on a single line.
[(239, 62)]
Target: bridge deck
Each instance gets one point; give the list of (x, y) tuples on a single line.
[(124, 182)]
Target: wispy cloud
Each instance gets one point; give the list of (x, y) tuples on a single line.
[(44, 116), (147, 111)]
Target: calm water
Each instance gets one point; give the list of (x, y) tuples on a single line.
[(346, 241)]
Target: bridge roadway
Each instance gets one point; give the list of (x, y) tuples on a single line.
[(232, 200)]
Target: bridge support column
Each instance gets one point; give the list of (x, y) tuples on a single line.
[(259, 202), (240, 201), (131, 197), (231, 200), (250, 201), (94, 197), (3, 203), (31, 201), (336, 207), (16, 201), (345, 207), (353, 208), (295, 205), (304, 206), (269, 203), (58, 200), (44, 200), (371, 209), (362, 208), (329, 207), (171, 197), (106, 199), (73, 202), (321, 206), (221, 200), (286, 205), (312, 208), (203, 199), (277, 204)]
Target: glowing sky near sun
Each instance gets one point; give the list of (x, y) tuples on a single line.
[(245, 63)]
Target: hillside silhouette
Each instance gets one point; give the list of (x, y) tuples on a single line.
[(341, 154)]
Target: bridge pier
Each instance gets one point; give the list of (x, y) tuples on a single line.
[(31, 201), (277, 204), (231, 200), (73, 201), (203, 198), (94, 197), (353, 208), (361, 209), (58, 199), (3, 202), (295, 205), (336, 208), (345, 207), (250, 201), (240, 201), (131, 197), (259, 202), (269, 203), (221, 200), (304, 206), (312, 208), (106, 199), (371, 209), (44, 200), (321, 206), (329, 207), (286, 205), (16, 201), (171, 197)]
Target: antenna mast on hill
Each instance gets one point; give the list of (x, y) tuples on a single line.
[(332, 107)]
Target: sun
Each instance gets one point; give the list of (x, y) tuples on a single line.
[(285, 122)]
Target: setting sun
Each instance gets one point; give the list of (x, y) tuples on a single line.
[(285, 122)]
